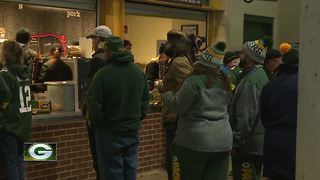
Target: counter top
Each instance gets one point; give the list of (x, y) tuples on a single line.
[(154, 109), (56, 117)]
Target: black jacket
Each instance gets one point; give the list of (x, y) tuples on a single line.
[(279, 117), (152, 71), (98, 61), (59, 71)]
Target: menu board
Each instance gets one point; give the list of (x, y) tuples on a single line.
[(190, 2)]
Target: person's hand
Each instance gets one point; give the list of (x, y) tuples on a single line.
[(4, 105)]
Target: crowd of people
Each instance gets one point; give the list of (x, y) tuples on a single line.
[(217, 107), (216, 104)]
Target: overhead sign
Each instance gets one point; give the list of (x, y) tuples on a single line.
[(190, 2)]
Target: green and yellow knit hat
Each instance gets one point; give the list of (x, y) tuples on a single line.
[(256, 50), (213, 55), (290, 53)]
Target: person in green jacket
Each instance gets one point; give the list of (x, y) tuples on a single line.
[(117, 101), (15, 122), (248, 132)]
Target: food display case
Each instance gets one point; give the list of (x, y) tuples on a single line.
[(61, 95), (58, 96), (155, 95)]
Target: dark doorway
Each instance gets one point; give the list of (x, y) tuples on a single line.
[(255, 27)]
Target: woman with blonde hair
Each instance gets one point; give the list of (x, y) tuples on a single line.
[(203, 138), (15, 119)]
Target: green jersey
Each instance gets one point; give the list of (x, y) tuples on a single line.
[(17, 117)]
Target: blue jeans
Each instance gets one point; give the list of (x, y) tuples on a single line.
[(11, 152), (117, 155)]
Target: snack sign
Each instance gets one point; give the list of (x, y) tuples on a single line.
[(73, 13), (2, 33)]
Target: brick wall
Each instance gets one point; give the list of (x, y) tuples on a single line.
[(74, 158), (152, 144)]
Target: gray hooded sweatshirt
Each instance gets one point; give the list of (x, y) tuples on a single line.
[(203, 119)]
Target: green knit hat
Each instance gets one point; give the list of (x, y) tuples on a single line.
[(113, 44), (290, 53), (213, 55), (229, 56)]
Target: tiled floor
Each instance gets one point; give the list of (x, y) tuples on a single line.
[(162, 175), (153, 175), (157, 175)]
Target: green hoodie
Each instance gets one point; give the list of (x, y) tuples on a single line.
[(18, 116), (118, 97)]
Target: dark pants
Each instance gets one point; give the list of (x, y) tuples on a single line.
[(170, 129), (11, 151), (92, 143), (202, 165), (246, 166), (117, 155)]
